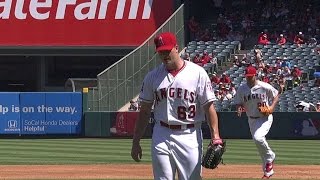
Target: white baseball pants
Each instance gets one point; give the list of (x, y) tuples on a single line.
[(259, 128), (176, 150)]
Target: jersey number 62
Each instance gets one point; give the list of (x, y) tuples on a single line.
[(184, 112)]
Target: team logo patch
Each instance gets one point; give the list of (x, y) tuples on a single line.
[(159, 42)]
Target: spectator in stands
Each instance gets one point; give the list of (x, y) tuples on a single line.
[(267, 69), (312, 108), (279, 70), (240, 62), (317, 82), (206, 62), (260, 36), (281, 40), (233, 90), (317, 50), (194, 27), (218, 94), (134, 106), (286, 63), (282, 83), (296, 74), (257, 55), (205, 58), (279, 62), (228, 96), (263, 40), (259, 65), (275, 69), (313, 41), (187, 57), (245, 60), (225, 79), (237, 61), (197, 60), (265, 78), (299, 39), (318, 107), (286, 72), (206, 35), (214, 62), (215, 80), (273, 36), (303, 106), (223, 92)]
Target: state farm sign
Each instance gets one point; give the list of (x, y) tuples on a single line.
[(80, 22)]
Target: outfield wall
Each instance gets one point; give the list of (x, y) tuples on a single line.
[(65, 113), (285, 126)]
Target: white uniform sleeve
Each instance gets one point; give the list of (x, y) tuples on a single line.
[(205, 92), (146, 92), (238, 97), (272, 92)]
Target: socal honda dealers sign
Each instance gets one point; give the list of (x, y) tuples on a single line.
[(80, 22)]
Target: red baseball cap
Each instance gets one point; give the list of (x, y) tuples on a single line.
[(165, 41), (250, 71)]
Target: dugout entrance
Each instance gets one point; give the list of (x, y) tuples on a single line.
[(26, 69)]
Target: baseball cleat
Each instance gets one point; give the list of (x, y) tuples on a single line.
[(268, 171), (269, 167), (266, 177)]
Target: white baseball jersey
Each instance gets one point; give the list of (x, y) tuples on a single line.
[(178, 99), (262, 94)]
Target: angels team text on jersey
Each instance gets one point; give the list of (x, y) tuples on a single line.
[(178, 99), (254, 97), (261, 94), (174, 93)]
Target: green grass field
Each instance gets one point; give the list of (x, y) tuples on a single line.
[(108, 151), (105, 151)]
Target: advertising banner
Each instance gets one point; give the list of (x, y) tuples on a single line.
[(80, 22), (32, 116), (9, 113), (123, 124), (40, 113)]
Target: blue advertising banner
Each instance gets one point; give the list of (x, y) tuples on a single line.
[(65, 112), (32, 118), (9, 113), (40, 113)]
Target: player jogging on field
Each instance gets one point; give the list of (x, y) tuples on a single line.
[(182, 95), (251, 96)]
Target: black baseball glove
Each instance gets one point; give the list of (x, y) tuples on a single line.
[(213, 156)]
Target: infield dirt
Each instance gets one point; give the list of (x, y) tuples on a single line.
[(144, 171)]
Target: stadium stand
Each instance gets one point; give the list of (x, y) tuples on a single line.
[(303, 57), (230, 36)]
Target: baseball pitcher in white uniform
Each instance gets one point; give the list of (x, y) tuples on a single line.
[(182, 96), (250, 97)]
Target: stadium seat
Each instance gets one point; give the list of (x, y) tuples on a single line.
[(200, 42), (217, 42), (289, 84), (226, 43), (276, 46), (192, 43), (209, 43), (237, 45)]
